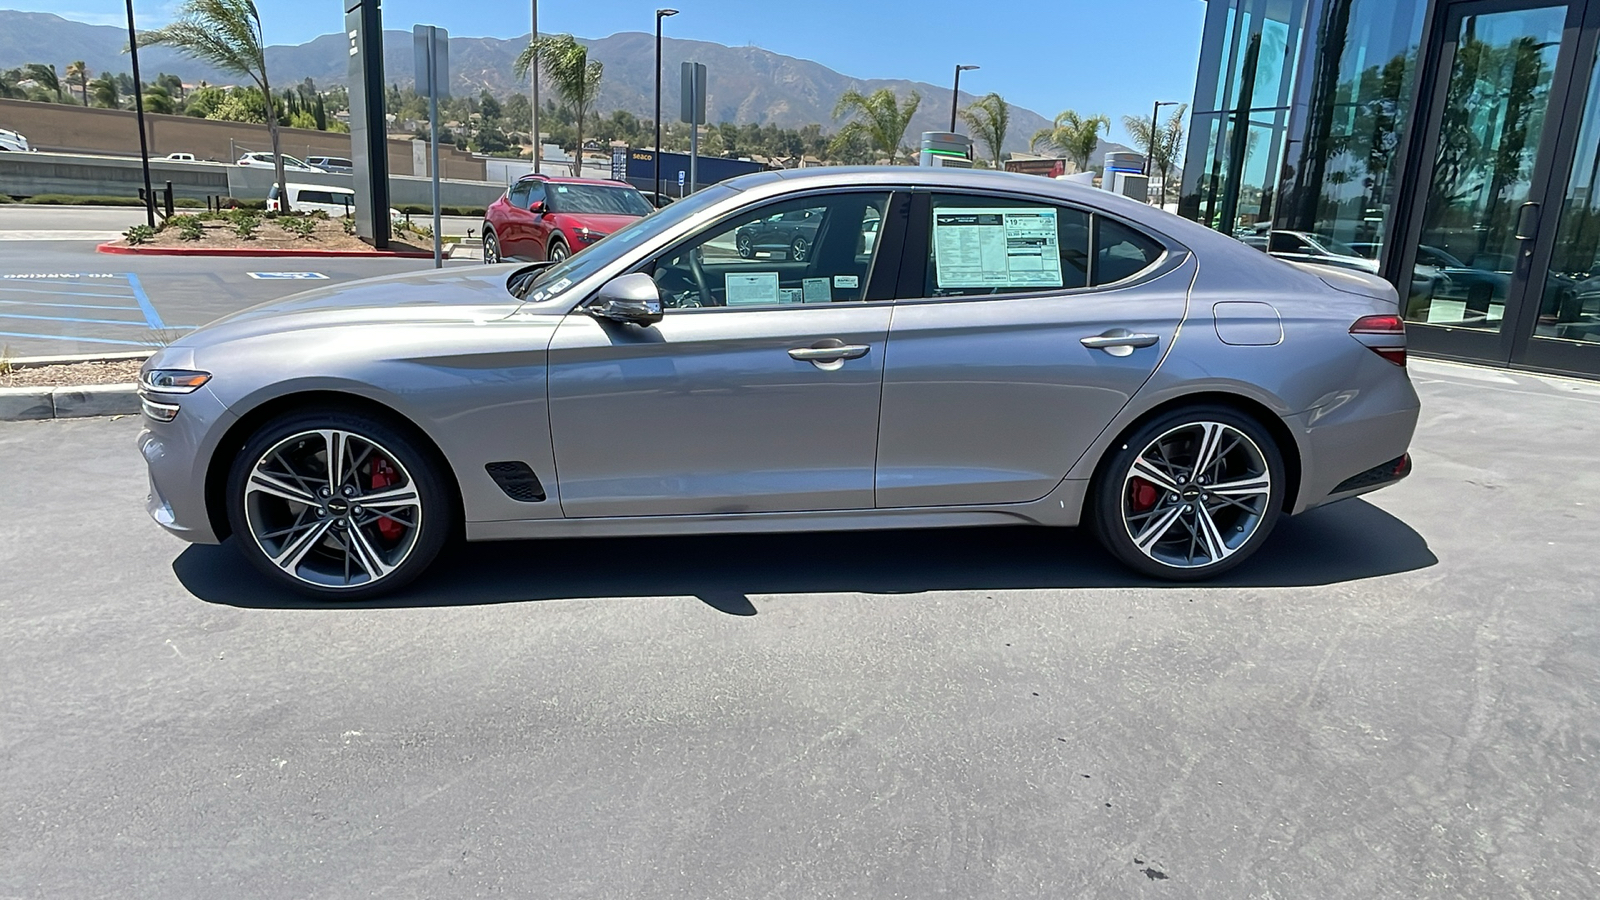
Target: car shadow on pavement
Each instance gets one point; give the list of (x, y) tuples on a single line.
[(1344, 542)]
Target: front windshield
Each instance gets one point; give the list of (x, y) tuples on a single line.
[(596, 199), (1337, 248), (551, 281)]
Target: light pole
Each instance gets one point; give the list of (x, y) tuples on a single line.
[(955, 94), (1150, 156), (660, 14), (535, 69), (138, 105)]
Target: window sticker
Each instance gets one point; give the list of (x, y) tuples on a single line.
[(817, 290), (749, 290), (561, 189), (559, 286), (791, 295), (846, 282), (996, 248)]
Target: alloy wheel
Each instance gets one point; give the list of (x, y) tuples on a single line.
[(743, 245), (1196, 495), (332, 508), (491, 249), (558, 252), (799, 249)]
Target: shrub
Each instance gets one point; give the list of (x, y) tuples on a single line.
[(245, 226), (349, 223), (190, 228), (139, 234), (299, 226), (99, 200)]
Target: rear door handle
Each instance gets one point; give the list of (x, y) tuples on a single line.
[(830, 354), (1120, 341)]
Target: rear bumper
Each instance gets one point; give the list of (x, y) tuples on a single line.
[(1343, 456)]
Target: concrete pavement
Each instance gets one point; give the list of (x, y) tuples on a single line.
[(1400, 698)]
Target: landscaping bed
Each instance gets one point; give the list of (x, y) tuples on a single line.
[(244, 231), (121, 371)]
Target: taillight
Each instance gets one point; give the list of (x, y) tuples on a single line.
[(1383, 335)]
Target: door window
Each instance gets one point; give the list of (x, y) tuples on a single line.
[(536, 194), (1120, 252), (518, 197), (809, 250), (979, 246)]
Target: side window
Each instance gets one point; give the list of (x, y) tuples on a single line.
[(1284, 243), (536, 194), (518, 196), (817, 249), (989, 245), (318, 197), (1120, 252)]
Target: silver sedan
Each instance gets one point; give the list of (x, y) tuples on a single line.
[(954, 349)]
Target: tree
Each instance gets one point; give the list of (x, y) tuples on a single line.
[(319, 114), (1161, 146), (203, 101), (883, 121), (568, 69), (78, 74), (488, 106), (158, 101), (105, 91), (45, 77), (989, 118), (7, 89), (1076, 136), (226, 34)]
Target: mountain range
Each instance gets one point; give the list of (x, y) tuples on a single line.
[(745, 84)]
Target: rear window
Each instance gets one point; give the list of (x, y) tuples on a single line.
[(1120, 252)]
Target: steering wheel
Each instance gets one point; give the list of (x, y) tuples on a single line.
[(699, 272)]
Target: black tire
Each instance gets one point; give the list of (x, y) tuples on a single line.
[(1177, 535), (741, 243), (557, 251), (491, 247), (345, 551), (799, 249)]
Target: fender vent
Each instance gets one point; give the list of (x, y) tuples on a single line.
[(517, 480)]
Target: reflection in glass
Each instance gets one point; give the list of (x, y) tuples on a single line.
[(1494, 118), (1570, 307)]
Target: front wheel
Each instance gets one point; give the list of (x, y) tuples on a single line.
[(1190, 494), (557, 252), (799, 249), (491, 247), (338, 505)]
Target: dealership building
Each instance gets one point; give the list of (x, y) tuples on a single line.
[(1455, 144)]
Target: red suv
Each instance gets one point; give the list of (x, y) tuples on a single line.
[(541, 217)]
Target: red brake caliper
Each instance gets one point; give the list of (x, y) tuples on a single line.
[(1142, 495), (383, 475)]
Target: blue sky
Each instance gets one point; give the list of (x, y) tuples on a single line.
[(1112, 56)]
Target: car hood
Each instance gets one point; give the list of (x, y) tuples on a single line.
[(442, 296), (605, 224)]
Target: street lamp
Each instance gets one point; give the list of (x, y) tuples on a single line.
[(1150, 156), (138, 105), (955, 94), (660, 14), (535, 69)]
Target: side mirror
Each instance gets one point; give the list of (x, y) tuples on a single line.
[(536, 207), (628, 298)]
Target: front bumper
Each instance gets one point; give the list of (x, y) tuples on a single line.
[(177, 455)]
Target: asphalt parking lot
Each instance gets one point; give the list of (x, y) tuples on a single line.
[(59, 297), (1401, 698)]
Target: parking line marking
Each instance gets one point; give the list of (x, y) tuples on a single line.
[(87, 340), (71, 319), (291, 276), (65, 305), (21, 290), (151, 317)]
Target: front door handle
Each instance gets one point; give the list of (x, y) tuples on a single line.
[(1120, 341), (830, 354)]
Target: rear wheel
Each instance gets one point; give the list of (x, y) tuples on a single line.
[(557, 251), (799, 249), (337, 504), (1190, 494)]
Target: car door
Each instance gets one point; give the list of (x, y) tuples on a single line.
[(1014, 344), (758, 395)]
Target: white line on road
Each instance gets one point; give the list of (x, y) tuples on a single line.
[(59, 235)]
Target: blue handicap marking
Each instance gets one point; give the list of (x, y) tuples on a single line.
[(40, 311), (291, 276), (680, 178)]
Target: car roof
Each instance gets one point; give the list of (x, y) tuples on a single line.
[(301, 186), (567, 179)]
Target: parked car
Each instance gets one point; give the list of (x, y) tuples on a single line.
[(335, 201), (655, 199), (545, 218), (290, 164), (1007, 351), (10, 140), (791, 233), (336, 164), (180, 157), (1300, 246)]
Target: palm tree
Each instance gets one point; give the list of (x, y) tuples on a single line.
[(1076, 136), (78, 74), (226, 34), (990, 119), (105, 91), (45, 76), (157, 100), (883, 120), (1163, 145), (567, 68)]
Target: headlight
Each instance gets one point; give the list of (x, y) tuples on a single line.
[(173, 381), (589, 236)]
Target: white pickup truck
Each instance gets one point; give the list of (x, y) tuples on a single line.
[(10, 140)]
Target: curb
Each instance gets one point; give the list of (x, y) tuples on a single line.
[(34, 362), (33, 403), (114, 247)]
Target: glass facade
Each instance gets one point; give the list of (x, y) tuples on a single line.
[(1455, 141)]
